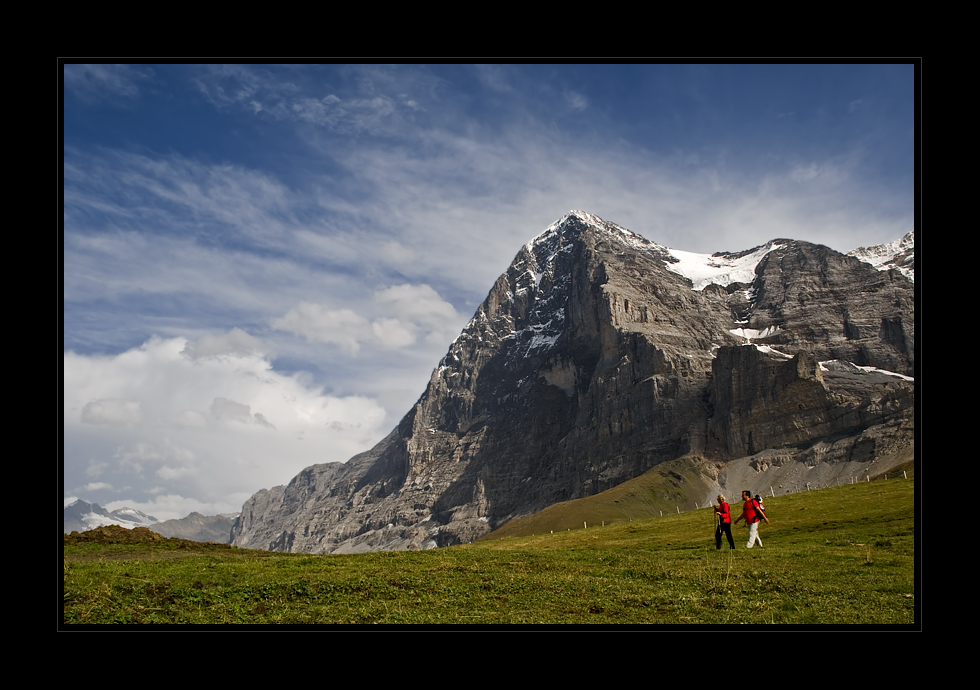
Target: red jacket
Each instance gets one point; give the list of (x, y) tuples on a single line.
[(750, 512)]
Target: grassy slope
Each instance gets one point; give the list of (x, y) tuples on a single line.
[(836, 556), (662, 490), (667, 488)]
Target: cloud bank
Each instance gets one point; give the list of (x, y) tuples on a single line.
[(207, 421)]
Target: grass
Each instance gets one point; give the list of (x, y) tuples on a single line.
[(839, 556), (664, 489)]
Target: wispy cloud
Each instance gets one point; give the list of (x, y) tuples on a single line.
[(367, 99), (576, 101), (99, 83)]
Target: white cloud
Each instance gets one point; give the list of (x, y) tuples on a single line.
[(217, 425), (407, 313), (95, 468), (235, 342), (175, 506), (419, 303), (393, 334), (112, 411), (169, 473), (229, 410), (320, 324)]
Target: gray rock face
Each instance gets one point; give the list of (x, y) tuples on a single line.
[(760, 402), (592, 360), (835, 307)]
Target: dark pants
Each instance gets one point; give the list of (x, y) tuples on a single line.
[(725, 527)]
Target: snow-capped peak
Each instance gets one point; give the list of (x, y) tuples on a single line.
[(556, 229), (898, 254)]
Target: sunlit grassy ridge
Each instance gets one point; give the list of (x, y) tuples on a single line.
[(835, 556), (670, 487)]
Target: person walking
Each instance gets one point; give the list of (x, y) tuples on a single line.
[(724, 514), (753, 515)]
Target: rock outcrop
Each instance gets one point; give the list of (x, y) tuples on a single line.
[(593, 359)]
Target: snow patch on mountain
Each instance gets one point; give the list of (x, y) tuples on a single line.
[(751, 334), (841, 365), (720, 268)]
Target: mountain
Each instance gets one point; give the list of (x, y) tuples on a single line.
[(197, 527), (600, 354), (80, 516), (899, 254)]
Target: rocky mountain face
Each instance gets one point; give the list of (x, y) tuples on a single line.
[(600, 354)]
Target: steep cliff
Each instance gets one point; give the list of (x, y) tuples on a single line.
[(592, 359)]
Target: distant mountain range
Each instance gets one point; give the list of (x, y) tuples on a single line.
[(81, 516)]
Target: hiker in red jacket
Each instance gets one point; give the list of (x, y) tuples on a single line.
[(724, 515), (753, 515)]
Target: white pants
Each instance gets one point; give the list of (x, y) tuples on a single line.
[(753, 535)]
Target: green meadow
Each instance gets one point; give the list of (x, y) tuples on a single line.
[(836, 556)]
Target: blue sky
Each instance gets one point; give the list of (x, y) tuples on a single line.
[(263, 263)]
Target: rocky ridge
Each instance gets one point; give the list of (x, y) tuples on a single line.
[(599, 354), (899, 255)]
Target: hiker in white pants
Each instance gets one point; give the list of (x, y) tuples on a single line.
[(752, 514)]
